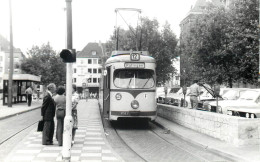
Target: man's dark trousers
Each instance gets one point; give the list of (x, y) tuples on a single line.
[(29, 99), (48, 131)]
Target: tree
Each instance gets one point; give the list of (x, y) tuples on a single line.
[(160, 44), (46, 62), (223, 44)]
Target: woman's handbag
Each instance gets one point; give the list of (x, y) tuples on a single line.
[(40, 126), (60, 113)]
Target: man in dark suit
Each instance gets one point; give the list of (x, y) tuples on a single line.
[(48, 113)]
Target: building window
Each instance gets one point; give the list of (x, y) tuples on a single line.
[(94, 71), (75, 70), (89, 80), (98, 80), (99, 71), (89, 70), (16, 59), (94, 80), (94, 53), (89, 61), (94, 61), (99, 61), (75, 80)]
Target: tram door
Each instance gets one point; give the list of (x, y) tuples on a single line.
[(106, 93)]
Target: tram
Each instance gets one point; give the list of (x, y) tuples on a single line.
[(128, 86)]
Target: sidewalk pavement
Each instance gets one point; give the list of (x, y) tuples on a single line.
[(18, 108), (90, 141), (91, 144)]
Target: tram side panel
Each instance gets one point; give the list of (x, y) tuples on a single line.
[(106, 92)]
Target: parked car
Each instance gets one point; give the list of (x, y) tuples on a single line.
[(175, 98), (161, 93), (252, 111), (250, 107), (246, 97), (178, 99), (210, 95)]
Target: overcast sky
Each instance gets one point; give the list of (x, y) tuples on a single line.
[(38, 21)]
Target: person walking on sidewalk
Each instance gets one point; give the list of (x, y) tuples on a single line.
[(29, 93), (60, 100), (75, 100), (48, 113), (194, 93)]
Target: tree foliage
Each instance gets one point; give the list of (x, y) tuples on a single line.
[(160, 44), (45, 62), (223, 45)]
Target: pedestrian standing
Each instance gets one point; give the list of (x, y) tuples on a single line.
[(165, 90), (29, 93), (194, 93), (48, 113), (75, 100), (60, 100)]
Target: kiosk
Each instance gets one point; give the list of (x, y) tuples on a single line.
[(20, 83)]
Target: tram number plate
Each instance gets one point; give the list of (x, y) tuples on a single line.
[(124, 113), (134, 65), (135, 56)]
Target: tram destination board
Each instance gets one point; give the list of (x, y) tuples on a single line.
[(139, 65)]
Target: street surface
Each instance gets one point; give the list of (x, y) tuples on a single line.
[(15, 128)]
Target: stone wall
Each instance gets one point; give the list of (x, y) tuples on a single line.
[(236, 130)]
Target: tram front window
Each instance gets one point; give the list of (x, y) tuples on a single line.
[(132, 78)]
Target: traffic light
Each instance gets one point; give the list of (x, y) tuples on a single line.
[(68, 55)]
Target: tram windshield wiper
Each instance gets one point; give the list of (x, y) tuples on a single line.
[(129, 83), (146, 82)]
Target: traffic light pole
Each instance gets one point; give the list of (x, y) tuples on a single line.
[(67, 134)]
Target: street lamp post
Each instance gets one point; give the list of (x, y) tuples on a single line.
[(11, 60), (67, 134)]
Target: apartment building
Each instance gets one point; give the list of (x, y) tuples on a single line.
[(5, 59), (88, 68)]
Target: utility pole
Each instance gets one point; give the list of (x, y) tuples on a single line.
[(67, 134), (11, 60)]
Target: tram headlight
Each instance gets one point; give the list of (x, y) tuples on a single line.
[(252, 115), (118, 96), (247, 115), (135, 104)]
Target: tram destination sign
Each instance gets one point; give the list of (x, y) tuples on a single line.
[(139, 65)]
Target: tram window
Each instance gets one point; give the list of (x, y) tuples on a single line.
[(132, 78)]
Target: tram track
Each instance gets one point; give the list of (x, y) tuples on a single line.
[(153, 143), (13, 135), (17, 124), (133, 151)]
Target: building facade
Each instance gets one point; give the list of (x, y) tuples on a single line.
[(5, 59), (87, 69)]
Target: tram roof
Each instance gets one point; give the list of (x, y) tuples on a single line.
[(124, 56)]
